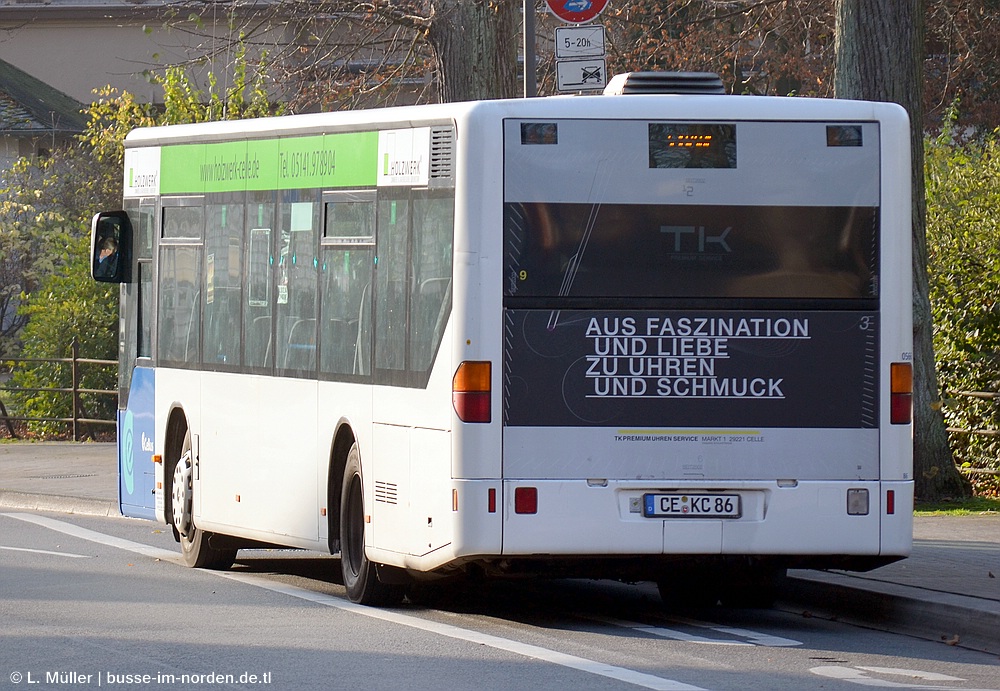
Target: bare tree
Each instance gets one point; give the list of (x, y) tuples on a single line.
[(475, 47), (329, 54), (879, 47)]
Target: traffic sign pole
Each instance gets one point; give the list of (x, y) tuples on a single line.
[(530, 84)]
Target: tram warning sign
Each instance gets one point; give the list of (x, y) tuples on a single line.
[(576, 11)]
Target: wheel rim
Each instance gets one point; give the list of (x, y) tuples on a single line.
[(181, 495)]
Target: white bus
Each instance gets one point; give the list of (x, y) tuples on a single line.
[(641, 336)]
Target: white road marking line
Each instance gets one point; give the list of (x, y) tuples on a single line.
[(859, 676), (755, 637), (915, 673), (623, 674), (45, 551), (527, 650), (92, 536), (664, 632), (752, 637)]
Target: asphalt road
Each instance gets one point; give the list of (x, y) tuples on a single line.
[(106, 598)]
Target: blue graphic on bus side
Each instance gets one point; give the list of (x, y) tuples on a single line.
[(127, 459), (135, 447)]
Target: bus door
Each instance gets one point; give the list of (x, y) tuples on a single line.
[(135, 373)]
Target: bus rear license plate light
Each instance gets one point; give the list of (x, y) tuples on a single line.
[(526, 500), (857, 502)]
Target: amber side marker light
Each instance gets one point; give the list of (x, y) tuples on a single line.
[(901, 393), (471, 392)]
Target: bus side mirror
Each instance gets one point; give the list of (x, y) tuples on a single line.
[(110, 232)]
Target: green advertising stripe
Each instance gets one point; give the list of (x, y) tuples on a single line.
[(331, 160)]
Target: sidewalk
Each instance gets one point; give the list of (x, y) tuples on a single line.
[(948, 590)]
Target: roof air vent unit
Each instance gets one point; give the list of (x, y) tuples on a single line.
[(665, 83), (442, 170)]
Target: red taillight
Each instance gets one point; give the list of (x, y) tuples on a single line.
[(491, 500), (525, 500), (901, 393), (471, 391), (890, 502)]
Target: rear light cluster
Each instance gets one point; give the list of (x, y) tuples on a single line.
[(901, 393), (471, 391)]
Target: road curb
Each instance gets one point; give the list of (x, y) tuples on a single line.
[(966, 622), (29, 501)]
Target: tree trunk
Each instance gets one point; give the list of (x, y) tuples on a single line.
[(880, 48), (475, 43)]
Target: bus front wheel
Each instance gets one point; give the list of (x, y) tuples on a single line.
[(195, 547), (360, 575)]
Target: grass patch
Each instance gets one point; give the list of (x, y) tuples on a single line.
[(960, 507)]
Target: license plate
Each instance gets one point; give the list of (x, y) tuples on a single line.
[(691, 505)]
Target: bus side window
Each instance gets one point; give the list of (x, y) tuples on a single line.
[(431, 259), (296, 283), (392, 247), (258, 331), (179, 289), (223, 284), (345, 283)]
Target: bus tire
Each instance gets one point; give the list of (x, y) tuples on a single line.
[(360, 575), (195, 543)]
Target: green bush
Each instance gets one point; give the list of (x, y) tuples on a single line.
[(69, 305), (50, 202), (963, 249)]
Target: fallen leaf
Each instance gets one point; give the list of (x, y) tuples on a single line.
[(951, 641)]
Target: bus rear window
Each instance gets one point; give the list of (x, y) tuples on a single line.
[(663, 251)]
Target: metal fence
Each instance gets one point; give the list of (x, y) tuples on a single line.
[(80, 421), (992, 434)]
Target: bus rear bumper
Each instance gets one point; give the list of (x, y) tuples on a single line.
[(807, 519)]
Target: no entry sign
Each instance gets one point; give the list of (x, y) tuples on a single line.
[(576, 11)]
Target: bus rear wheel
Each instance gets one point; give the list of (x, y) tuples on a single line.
[(360, 575), (195, 543)]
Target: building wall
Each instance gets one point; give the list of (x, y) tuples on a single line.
[(9, 152), (87, 50)]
